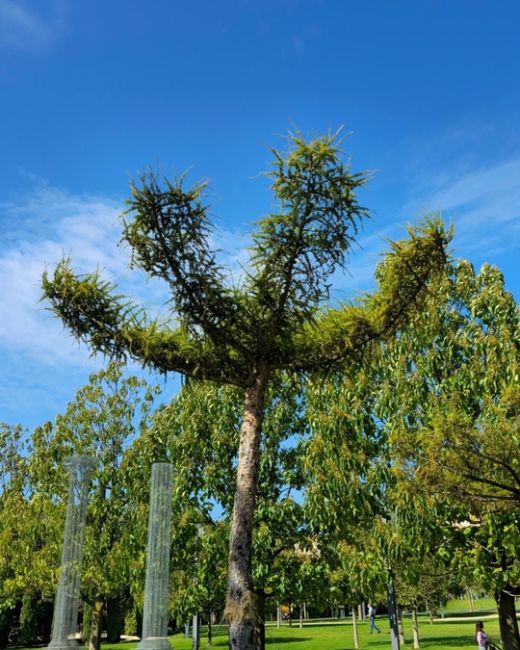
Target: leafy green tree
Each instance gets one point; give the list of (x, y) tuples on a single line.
[(275, 320), (105, 417), (29, 619), (451, 385)]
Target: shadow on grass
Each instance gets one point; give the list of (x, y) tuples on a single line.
[(428, 642), (456, 642), (286, 639)]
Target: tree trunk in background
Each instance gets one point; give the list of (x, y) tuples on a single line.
[(210, 629), (393, 613), (96, 626), (278, 615), (260, 596), (402, 639), (507, 619), (415, 628), (114, 620), (290, 613), (301, 616), (471, 601), (355, 628), (431, 616), (87, 622), (305, 612), (241, 606)]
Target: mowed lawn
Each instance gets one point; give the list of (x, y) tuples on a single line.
[(338, 636)]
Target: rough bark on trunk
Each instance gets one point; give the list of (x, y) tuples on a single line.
[(96, 626), (415, 628), (241, 606), (507, 620), (355, 628)]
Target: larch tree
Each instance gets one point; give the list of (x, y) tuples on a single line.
[(276, 319)]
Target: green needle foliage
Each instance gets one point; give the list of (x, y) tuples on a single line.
[(276, 319)]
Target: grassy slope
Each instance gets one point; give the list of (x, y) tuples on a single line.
[(338, 636)]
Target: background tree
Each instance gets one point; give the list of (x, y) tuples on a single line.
[(274, 321), (105, 417), (451, 384)]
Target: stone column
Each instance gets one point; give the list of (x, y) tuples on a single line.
[(67, 597), (195, 645), (155, 615)]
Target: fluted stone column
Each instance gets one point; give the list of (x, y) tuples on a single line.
[(67, 597), (155, 615)]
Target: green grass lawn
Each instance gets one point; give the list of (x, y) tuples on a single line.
[(337, 635)]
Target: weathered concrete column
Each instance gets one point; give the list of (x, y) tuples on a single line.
[(195, 645), (155, 615), (67, 597)]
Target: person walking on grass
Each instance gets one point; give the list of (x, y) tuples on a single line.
[(483, 641), (372, 618)]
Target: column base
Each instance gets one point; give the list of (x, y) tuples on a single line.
[(154, 643), (64, 644)]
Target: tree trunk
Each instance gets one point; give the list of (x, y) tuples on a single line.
[(415, 627), (241, 606), (393, 613), (114, 620), (278, 615), (402, 640), (87, 622), (195, 632), (210, 628), (507, 619), (301, 616), (431, 616), (290, 613), (355, 628), (260, 599), (305, 612), (96, 626)]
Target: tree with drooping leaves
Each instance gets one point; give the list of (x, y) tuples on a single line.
[(276, 319), (451, 386)]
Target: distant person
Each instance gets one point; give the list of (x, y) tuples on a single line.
[(483, 641), (372, 618)]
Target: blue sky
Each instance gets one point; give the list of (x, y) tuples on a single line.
[(92, 92)]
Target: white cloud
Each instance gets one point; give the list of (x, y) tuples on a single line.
[(38, 232), (24, 29), (484, 205), (48, 224)]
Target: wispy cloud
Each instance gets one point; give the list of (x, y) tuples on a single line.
[(22, 28), (47, 224), (484, 205), (38, 231)]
